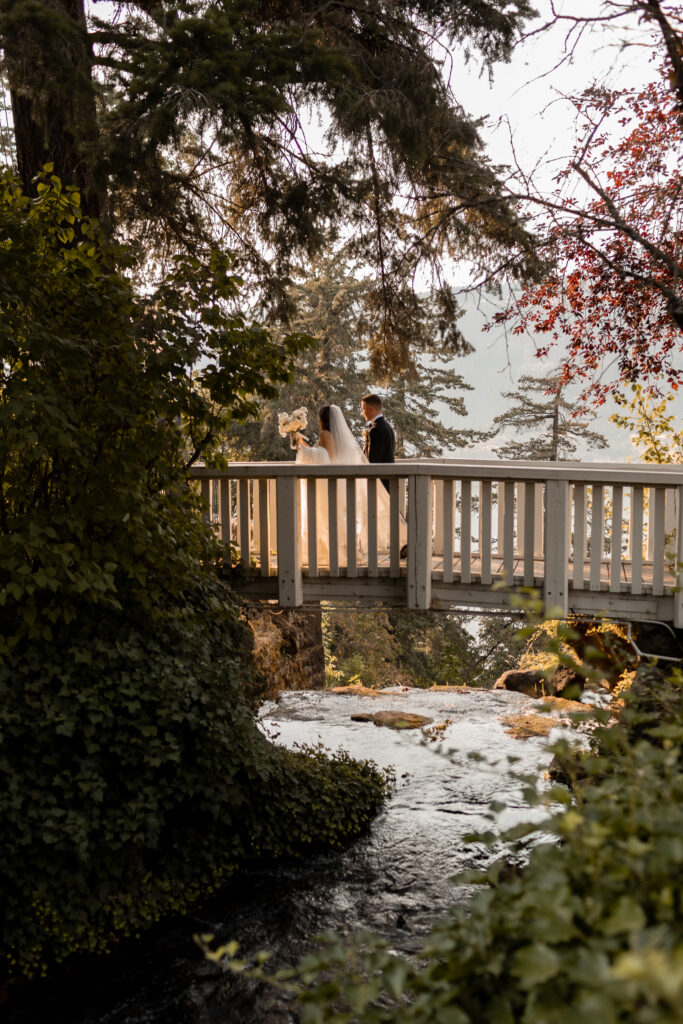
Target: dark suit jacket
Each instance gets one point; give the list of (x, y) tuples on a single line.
[(381, 444)]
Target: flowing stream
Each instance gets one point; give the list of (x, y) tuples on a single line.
[(397, 881)]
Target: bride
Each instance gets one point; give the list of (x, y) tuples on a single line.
[(337, 445)]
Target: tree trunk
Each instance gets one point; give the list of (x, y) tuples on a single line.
[(556, 429), (48, 63)]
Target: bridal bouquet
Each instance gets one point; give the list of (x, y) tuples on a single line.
[(292, 423)]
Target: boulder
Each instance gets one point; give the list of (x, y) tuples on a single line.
[(400, 719), (394, 719), (533, 684)]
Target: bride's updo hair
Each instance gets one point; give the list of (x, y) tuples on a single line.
[(324, 417)]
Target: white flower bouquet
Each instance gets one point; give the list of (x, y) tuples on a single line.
[(292, 424)]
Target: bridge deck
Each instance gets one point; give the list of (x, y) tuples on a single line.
[(385, 587)]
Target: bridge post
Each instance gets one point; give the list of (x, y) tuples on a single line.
[(289, 575), (419, 542), (556, 549), (678, 594)]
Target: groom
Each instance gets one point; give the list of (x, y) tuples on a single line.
[(379, 443)]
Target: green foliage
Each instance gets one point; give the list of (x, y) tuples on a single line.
[(97, 388), (652, 430), (134, 781), (132, 777), (186, 124), (382, 648)]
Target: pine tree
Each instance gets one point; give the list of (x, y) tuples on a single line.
[(184, 125), (330, 300), (557, 427)]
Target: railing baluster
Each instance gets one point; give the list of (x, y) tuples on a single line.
[(597, 534), (529, 522), (373, 569), (658, 546), (500, 492), (351, 539), (244, 521), (235, 513), (520, 534), (272, 516), (264, 540), (579, 546), (615, 553), (485, 502), (205, 488), (539, 537), (438, 518), (509, 531), (637, 541), (224, 509), (466, 531), (312, 522), (255, 517), (333, 515), (419, 542), (395, 486), (670, 513), (650, 524), (448, 530)]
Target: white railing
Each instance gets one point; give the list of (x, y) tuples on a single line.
[(595, 538)]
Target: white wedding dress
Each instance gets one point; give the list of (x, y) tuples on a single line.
[(345, 452)]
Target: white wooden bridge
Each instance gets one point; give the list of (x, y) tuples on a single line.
[(593, 538)]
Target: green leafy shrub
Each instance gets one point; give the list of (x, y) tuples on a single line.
[(132, 777)]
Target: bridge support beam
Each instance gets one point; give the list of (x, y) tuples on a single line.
[(289, 574), (419, 542), (556, 588)]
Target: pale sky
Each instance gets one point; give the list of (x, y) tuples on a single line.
[(525, 103)]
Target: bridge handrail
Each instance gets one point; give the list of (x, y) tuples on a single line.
[(643, 475)]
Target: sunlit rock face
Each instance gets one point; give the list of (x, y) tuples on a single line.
[(288, 649)]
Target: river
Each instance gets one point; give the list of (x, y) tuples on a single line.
[(397, 881)]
